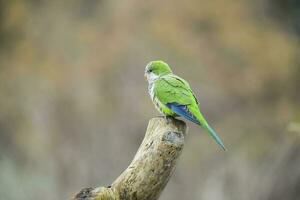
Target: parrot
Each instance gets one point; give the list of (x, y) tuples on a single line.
[(173, 97)]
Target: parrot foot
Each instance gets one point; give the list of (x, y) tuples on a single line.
[(169, 119)]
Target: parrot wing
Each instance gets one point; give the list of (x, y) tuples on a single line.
[(176, 94), (173, 89)]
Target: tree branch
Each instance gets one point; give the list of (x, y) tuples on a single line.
[(151, 168)]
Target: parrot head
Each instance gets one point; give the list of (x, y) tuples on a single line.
[(154, 69)]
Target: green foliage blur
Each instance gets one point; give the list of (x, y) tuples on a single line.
[(74, 104)]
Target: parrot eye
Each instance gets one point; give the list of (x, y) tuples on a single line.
[(150, 70)]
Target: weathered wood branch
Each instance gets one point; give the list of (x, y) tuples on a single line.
[(151, 168)]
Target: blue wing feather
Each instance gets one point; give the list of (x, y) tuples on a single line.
[(182, 110)]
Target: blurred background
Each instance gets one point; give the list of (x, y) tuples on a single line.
[(74, 105)]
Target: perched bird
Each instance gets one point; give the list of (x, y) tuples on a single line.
[(173, 97)]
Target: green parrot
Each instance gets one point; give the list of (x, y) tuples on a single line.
[(173, 97)]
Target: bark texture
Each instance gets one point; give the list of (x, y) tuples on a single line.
[(149, 172)]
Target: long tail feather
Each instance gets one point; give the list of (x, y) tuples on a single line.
[(214, 135)]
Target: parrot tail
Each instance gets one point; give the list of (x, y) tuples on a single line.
[(185, 111), (214, 135)]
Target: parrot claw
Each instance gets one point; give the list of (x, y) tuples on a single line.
[(168, 119)]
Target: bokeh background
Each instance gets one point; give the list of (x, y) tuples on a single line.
[(74, 104)]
